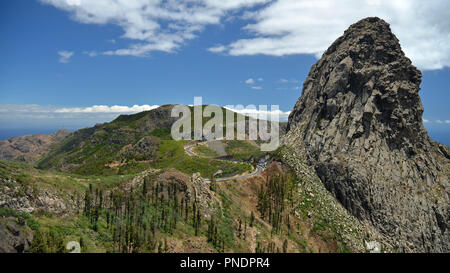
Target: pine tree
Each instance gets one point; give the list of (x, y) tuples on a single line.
[(285, 246), (239, 228), (166, 245), (252, 219), (212, 183)]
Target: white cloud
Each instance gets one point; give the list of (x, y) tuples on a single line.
[(283, 116), (438, 121), (108, 109), (14, 116), (253, 81), (256, 87), (96, 113), (90, 53), (33, 111), (288, 81), (278, 28), (217, 49), (153, 25), (308, 27), (64, 56), (250, 81)]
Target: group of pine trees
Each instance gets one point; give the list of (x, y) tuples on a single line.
[(140, 219), (214, 235), (47, 242), (275, 199), (271, 247)]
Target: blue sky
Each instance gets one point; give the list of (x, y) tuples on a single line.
[(74, 54)]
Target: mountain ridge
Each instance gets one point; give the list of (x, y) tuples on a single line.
[(30, 148)]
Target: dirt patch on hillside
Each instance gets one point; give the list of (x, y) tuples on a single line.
[(301, 237)]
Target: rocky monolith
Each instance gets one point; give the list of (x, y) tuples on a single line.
[(359, 124)]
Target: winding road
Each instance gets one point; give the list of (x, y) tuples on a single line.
[(259, 167)]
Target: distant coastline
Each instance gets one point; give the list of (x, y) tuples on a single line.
[(441, 135), (9, 133)]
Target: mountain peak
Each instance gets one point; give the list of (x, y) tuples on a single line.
[(366, 66), (359, 123), (374, 22)]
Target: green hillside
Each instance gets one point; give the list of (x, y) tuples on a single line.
[(131, 144), (155, 211)]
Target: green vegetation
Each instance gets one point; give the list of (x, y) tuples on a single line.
[(136, 220), (29, 220), (274, 198), (115, 215), (89, 151), (172, 155), (120, 208), (48, 242), (112, 148), (129, 145), (64, 182), (243, 151), (162, 133), (204, 151)]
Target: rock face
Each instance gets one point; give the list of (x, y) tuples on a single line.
[(14, 237), (359, 124), (27, 199), (190, 187)]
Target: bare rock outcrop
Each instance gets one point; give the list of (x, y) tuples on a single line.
[(22, 198), (15, 237), (191, 188), (359, 124)]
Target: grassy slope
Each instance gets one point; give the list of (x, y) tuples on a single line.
[(243, 150), (172, 155), (204, 151)]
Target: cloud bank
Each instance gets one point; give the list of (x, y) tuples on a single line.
[(102, 112), (34, 111), (107, 109), (153, 25), (276, 28), (270, 114), (308, 27)]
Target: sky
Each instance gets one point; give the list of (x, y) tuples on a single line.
[(74, 63)]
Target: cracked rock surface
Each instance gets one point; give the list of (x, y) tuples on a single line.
[(359, 125)]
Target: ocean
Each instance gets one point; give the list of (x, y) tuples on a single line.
[(8, 133)]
